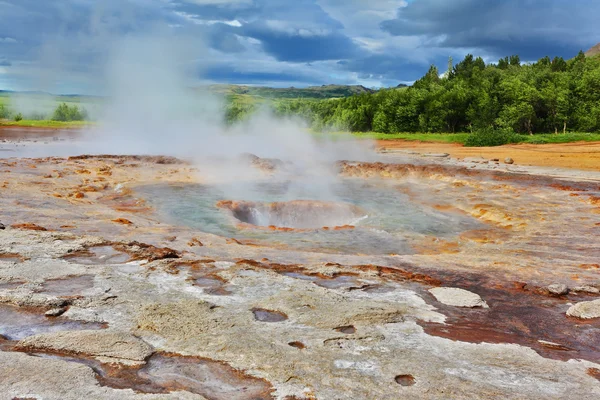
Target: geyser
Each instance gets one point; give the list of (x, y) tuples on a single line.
[(296, 214), (270, 212)]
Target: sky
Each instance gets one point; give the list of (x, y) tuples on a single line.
[(60, 46)]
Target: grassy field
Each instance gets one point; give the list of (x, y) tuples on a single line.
[(460, 138), (44, 123)]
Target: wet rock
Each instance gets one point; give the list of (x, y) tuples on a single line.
[(107, 346), (457, 297), (558, 289), (585, 310), (509, 160), (55, 312)]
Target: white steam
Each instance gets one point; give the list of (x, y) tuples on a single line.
[(152, 109)]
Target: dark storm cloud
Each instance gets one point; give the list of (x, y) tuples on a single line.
[(233, 75), (303, 41), (299, 45), (530, 28), (391, 66)]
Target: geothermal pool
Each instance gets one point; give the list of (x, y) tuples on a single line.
[(350, 215)]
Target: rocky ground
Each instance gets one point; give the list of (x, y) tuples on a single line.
[(103, 297)]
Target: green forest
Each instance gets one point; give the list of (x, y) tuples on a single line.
[(510, 97)]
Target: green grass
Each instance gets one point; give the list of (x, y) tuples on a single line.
[(420, 137), (44, 123), (462, 137), (569, 137)]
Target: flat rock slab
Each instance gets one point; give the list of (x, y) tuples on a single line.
[(436, 155), (585, 310), (106, 346), (457, 297)]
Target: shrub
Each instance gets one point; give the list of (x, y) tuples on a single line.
[(4, 112), (18, 117), (492, 137), (65, 112)]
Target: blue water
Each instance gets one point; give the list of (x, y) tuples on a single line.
[(391, 219)]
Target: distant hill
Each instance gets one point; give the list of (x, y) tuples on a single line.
[(312, 92), (594, 51)]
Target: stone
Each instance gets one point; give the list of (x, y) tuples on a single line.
[(558, 289), (104, 345), (457, 297), (586, 289), (436, 155), (55, 312), (2, 226), (585, 310), (509, 160)]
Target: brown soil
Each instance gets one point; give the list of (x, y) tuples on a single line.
[(579, 155), (29, 132)]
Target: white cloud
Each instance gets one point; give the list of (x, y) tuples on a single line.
[(8, 40)]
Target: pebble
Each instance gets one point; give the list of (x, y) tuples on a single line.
[(2, 226), (457, 297), (55, 312), (558, 289), (438, 155), (509, 160)]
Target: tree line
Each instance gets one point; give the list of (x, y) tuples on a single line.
[(548, 96)]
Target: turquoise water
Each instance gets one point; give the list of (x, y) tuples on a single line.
[(390, 219)]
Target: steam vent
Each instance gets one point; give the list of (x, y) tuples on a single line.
[(299, 200)]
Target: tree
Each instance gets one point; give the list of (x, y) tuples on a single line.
[(515, 61)]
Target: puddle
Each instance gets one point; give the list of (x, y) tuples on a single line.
[(348, 330), (518, 315), (213, 286), (11, 257), (11, 285), (70, 286), (17, 324), (262, 315), (379, 218), (165, 373), (337, 282), (207, 282), (378, 289), (405, 380), (99, 255)]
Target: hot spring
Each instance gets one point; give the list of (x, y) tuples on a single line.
[(352, 216)]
